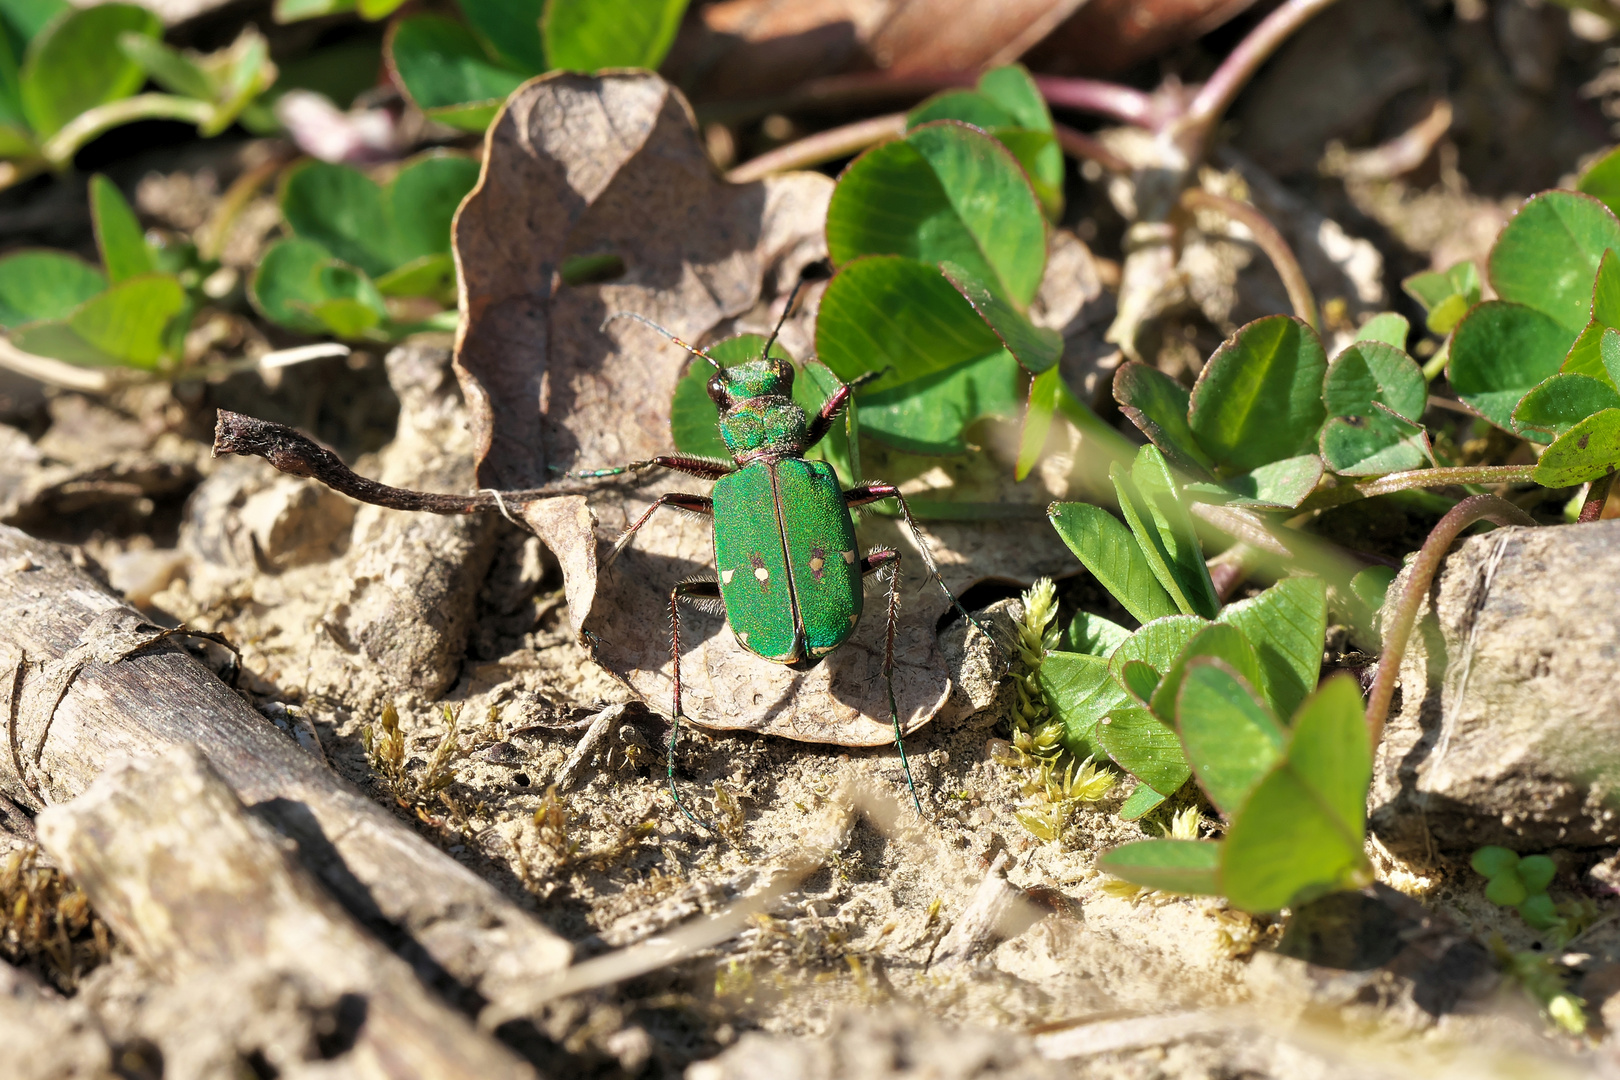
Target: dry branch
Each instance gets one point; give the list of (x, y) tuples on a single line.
[(141, 702), (200, 890)]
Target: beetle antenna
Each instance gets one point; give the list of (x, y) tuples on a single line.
[(648, 322), (787, 310)]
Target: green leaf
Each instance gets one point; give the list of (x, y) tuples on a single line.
[(1043, 398), (930, 415), (127, 324), (1500, 352), (26, 18), (1144, 746), (75, 64), (1143, 801), (1371, 586), (1036, 348), (1286, 625), (43, 285), (1585, 452), (511, 30), (287, 11), (587, 35), (1139, 680), (1445, 294), (1585, 356), (1218, 640), (447, 73), (1537, 872), (287, 284), (377, 9), (1158, 404), (1009, 106), (343, 210), (1095, 635), (900, 317), (1549, 252), (346, 316), (1492, 861), (1151, 502), (1156, 644), (428, 275), (1259, 398), (946, 192), (1561, 402), (1281, 485), (1176, 866), (1387, 327), (1368, 372), (1374, 394), (118, 234), (1080, 692), (1505, 891), (1601, 180), (1230, 737), (1301, 831), (168, 67), (1113, 556), (422, 199)]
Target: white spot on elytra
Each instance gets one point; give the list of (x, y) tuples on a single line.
[(762, 573), (743, 637), (726, 576), (817, 564), (852, 619), (849, 556)]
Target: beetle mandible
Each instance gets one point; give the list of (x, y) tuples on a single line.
[(790, 572)]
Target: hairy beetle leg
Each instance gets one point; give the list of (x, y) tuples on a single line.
[(695, 504), (699, 593), (881, 561)]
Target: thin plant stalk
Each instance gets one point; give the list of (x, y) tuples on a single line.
[(1414, 479), (1123, 103), (1597, 496), (1211, 100), (1080, 145), (60, 148), (823, 146), (1270, 241), (1402, 615)]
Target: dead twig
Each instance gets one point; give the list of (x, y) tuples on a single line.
[(595, 732), (1269, 240)]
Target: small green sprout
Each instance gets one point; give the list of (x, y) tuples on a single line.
[(1521, 883), (1545, 980)]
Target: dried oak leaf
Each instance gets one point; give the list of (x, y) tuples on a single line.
[(612, 165)]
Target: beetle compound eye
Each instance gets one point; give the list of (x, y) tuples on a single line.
[(784, 375), (718, 392)]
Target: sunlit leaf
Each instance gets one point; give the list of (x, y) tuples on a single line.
[(1286, 625), (1231, 739), (118, 234), (1500, 352), (1445, 294), (1561, 402), (43, 285), (447, 73), (1549, 252), (1144, 746), (1585, 452), (587, 35), (75, 63), (1259, 398), (1151, 502), (1115, 559), (1177, 866), (1094, 635), (1080, 692), (1388, 327)]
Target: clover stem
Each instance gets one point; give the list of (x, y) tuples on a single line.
[(212, 236), (60, 148), (1123, 103), (1212, 99), (1270, 241), (1079, 144), (821, 147), (1596, 497), (1412, 479), (1401, 617)]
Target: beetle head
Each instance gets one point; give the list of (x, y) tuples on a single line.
[(765, 377)]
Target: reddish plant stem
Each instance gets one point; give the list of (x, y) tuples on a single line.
[(1597, 496), (297, 455), (1417, 478), (1401, 618), (1212, 100), (823, 146), (1079, 144), (1122, 103), (1270, 241)]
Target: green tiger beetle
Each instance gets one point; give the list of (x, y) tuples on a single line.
[(790, 573)]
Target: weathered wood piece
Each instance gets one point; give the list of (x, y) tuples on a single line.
[(197, 888), (63, 732)]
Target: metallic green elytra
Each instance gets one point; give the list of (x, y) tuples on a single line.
[(789, 572), (784, 545)]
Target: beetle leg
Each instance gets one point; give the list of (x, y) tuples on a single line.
[(879, 561), (684, 463), (696, 504), (698, 591), (835, 404), (876, 492)]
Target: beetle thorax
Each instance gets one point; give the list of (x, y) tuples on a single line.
[(758, 417)]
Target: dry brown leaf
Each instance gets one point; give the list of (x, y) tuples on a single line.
[(1106, 37), (748, 48), (583, 165)]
